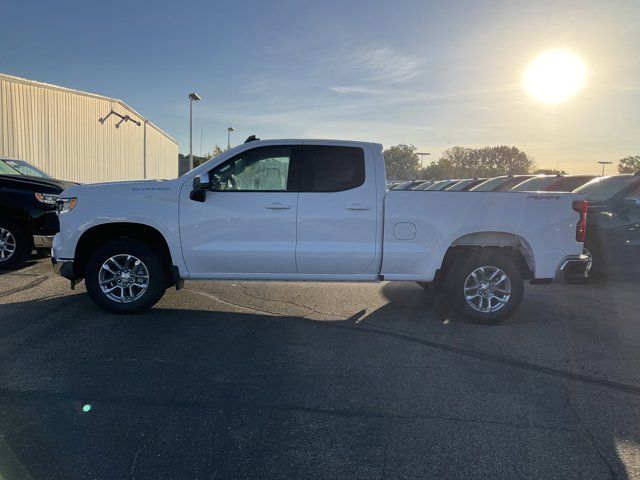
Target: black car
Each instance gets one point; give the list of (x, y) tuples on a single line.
[(613, 223), (28, 217)]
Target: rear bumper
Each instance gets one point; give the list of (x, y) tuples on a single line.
[(574, 268), (64, 268)]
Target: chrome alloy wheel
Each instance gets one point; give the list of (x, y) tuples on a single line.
[(7, 244), (123, 278), (487, 289), (589, 255)]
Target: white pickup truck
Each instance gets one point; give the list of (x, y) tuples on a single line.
[(313, 210)]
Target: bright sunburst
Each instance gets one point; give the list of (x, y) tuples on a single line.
[(554, 76)]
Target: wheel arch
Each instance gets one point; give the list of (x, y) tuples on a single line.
[(509, 244), (100, 234)]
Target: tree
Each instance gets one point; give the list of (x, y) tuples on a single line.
[(549, 171), (401, 162), (629, 164), (462, 162)]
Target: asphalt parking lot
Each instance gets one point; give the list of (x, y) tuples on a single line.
[(274, 380)]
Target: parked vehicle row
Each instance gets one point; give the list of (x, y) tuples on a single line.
[(331, 197), (502, 183)]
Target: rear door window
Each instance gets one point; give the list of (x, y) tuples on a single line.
[(330, 168)]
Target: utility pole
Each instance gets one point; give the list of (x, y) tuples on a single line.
[(229, 130), (422, 155), (192, 96), (603, 164)]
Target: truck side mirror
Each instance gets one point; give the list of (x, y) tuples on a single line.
[(201, 184)]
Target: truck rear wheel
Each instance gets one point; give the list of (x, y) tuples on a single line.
[(486, 287), (125, 276), (14, 245)]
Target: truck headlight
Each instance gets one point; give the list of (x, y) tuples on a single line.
[(66, 204), (47, 198)]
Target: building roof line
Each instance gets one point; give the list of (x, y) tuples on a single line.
[(50, 86)]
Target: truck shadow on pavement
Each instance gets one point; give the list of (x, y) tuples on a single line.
[(392, 393)]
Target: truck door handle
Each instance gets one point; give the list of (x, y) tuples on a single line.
[(358, 206), (278, 206)]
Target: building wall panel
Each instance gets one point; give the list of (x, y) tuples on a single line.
[(58, 130)]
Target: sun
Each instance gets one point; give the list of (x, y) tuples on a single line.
[(554, 76)]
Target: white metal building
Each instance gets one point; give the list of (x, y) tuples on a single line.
[(80, 136)]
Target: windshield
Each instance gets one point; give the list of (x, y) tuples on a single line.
[(568, 184), (438, 185), (26, 168), (7, 170), (534, 184), (489, 185), (603, 188), (460, 185)]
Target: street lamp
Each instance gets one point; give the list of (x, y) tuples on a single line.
[(603, 164), (192, 96), (422, 155), (229, 130)]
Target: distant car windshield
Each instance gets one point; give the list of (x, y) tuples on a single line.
[(438, 185), (400, 186), (568, 184), (6, 169), (535, 184), (26, 168), (603, 188), (510, 183), (460, 185), (489, 185)]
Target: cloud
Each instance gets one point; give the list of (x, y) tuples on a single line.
[(383, 65), (356, 90), (395, 95)]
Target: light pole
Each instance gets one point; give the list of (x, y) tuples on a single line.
[(422, 155), (192, 96), (229, 130), (603, 164)]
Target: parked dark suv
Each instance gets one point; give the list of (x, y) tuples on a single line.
[(613, 223), (28, 217)]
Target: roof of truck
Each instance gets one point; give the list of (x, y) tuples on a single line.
[(313, 141)]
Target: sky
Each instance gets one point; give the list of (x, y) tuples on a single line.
[(433, 74)]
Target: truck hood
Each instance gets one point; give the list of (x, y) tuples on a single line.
[(50, 184), (110, 188)]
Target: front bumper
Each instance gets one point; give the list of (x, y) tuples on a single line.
[(64, 268), (574, 268)]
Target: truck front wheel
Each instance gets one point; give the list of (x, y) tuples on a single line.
[(125, 276), (485, 287)]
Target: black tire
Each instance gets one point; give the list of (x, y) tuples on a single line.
[(157, 281), (598, 261), (462, 269), (22, 245), (425, 285)]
